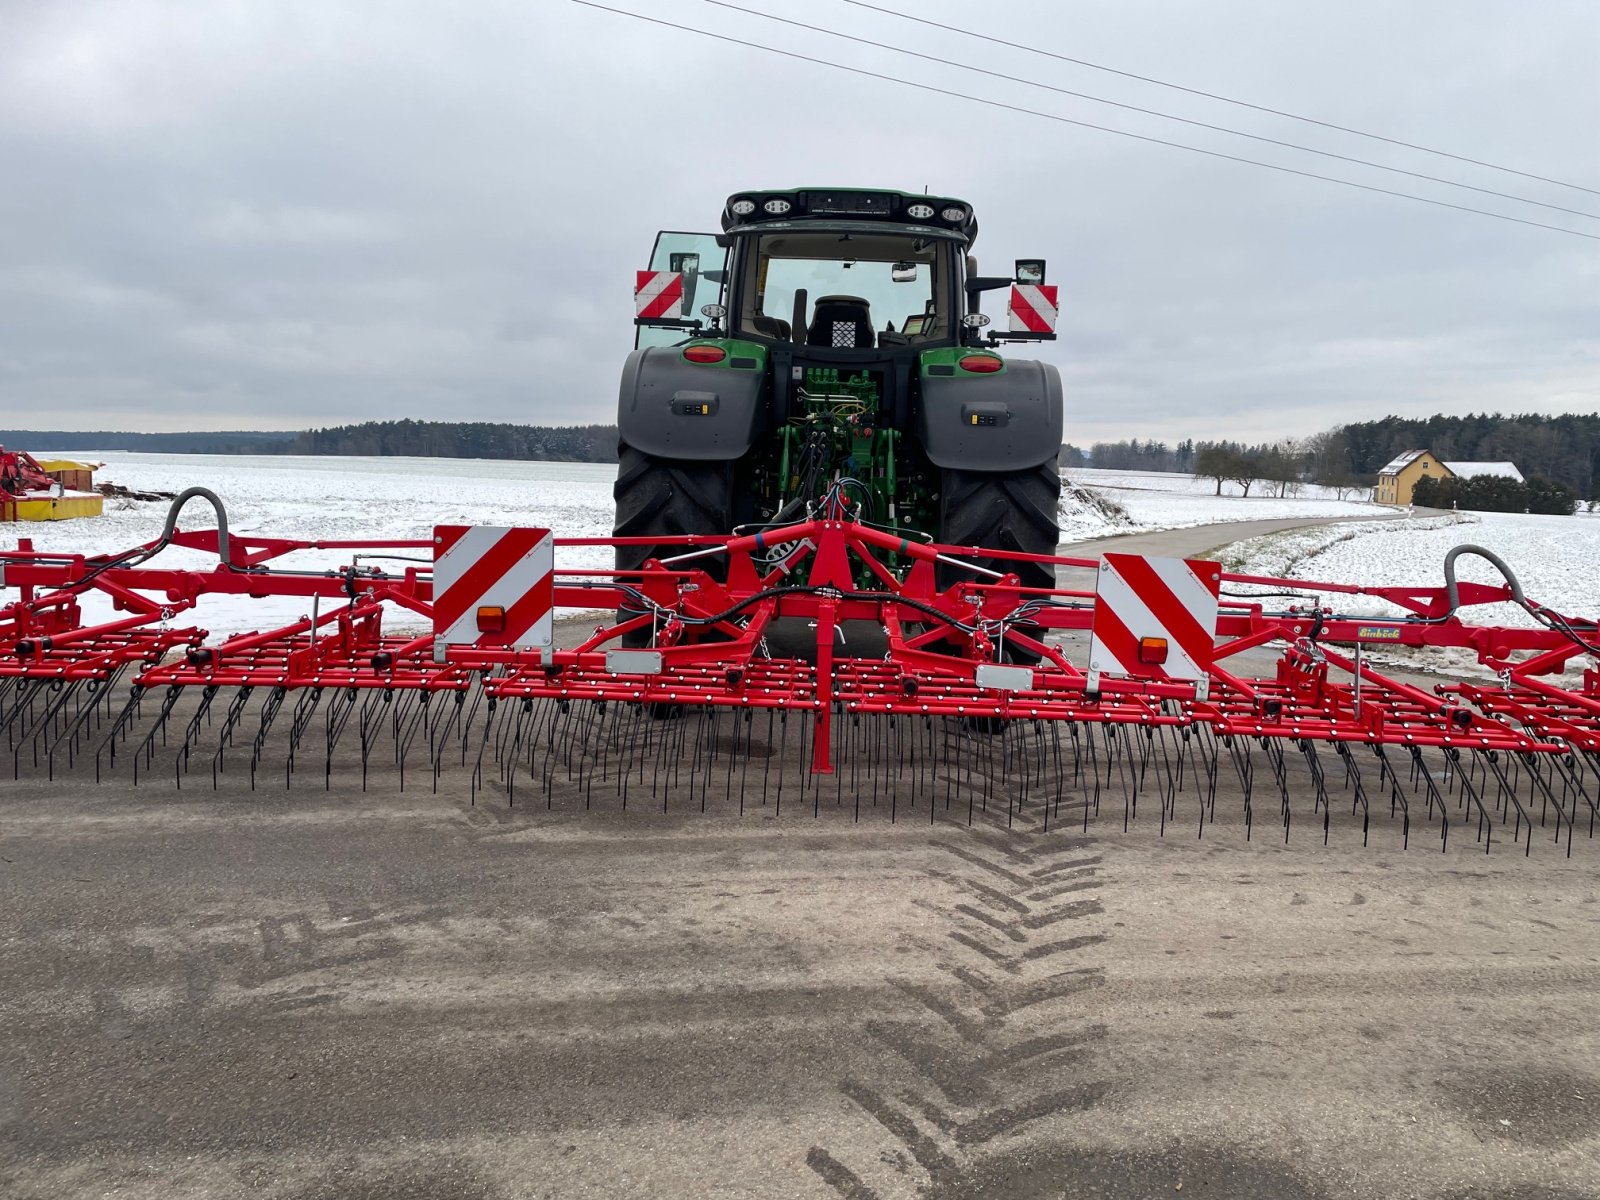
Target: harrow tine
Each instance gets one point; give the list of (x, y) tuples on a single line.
[(305, 709), (1508, 800), (1419, 769), (338, 716), (1319, 785), (373, 718), (230, 723), (46, 722), (269, 713), (147, 748), (191, 734), (109, 742), (81, 718)]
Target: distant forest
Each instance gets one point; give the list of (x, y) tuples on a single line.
[(456, 439), (1563, 449), (422, 439), (234, 441)]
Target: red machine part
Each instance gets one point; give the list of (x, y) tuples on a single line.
[(705, 642)]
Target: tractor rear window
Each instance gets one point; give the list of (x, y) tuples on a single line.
[(842, 290)]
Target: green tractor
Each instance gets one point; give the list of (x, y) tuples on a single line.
[(838, 351)]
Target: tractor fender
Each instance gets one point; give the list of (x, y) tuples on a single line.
[(1002, 422), (671, 408)]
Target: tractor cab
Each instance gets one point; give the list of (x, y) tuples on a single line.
[(829, 270), (830, 343)]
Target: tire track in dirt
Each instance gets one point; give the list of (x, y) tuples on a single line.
[(988, 1061)]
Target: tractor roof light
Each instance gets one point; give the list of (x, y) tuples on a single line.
[(704, 352), (980, 364), (955, 214), (776, 207), (742, 207), (975, 320), (920, 212)]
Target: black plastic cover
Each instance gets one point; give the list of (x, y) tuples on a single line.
[(1002, 422), (670, 408)]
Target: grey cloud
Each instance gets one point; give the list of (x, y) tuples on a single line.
[(278, 215)]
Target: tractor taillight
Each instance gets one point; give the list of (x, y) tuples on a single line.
[(491, 619), (704, 354), (980, 364)]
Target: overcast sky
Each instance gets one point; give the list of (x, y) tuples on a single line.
[(275, 215)]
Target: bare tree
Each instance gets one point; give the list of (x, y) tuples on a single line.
[(1245, 470), (1217, 463)]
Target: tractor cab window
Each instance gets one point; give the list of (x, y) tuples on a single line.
[(844, 290), (704, 267)]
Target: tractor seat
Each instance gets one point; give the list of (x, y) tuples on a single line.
[(842, 322)]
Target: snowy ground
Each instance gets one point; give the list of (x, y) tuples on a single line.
[(1151, 500), (329, 498), (1554, 558)]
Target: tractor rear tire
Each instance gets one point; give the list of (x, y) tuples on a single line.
[(1001, 510), (666, 497)]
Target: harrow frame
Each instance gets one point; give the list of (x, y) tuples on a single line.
[(694, 630)]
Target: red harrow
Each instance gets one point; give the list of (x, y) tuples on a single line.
[(819, 659)]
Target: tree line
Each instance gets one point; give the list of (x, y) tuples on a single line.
[(1548, 450), (1496, 493), (1277, 468), (460, 439), (1564, 449)]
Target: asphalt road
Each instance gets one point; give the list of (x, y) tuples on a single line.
[(332, 995)]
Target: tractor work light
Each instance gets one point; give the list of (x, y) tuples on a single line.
[(742, 208), (704, 354), (920, 212), (980, 364), (776, 207), (713, 312), (975, 320), (955, 214), (1152, 651), (491, 619)]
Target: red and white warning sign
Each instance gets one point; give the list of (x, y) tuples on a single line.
[(658, 295), (1154, 618), (1033, 308), (493, 585)]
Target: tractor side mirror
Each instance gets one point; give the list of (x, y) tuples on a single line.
[(903, 272), (1030, 270), (688, 265)]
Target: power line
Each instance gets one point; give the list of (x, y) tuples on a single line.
[(1178, 87), (1149, 112), (1033, 112)]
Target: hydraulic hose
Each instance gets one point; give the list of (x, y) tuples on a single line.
[(1489, 556), (223, 551)]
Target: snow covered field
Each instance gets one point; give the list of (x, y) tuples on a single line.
[(1556, 559), (1153, 500), (332, 498), (328, 498)]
